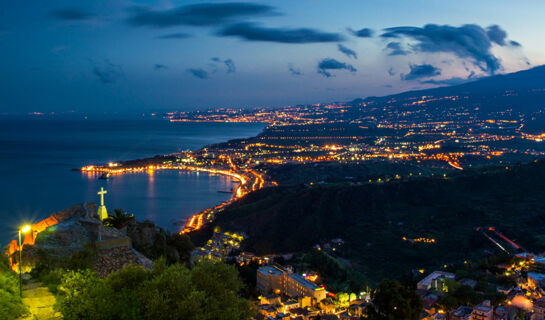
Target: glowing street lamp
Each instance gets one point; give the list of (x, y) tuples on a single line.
[(24, 229)]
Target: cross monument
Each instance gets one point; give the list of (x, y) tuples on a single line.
[(102, 212)]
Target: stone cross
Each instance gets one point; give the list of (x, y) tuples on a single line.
[(101, 193)]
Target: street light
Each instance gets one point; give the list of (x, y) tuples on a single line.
[(23, 230)]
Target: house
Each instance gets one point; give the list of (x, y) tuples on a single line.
[(539, 309), (300, 312), (266, 310), (483, 311), (501, 313), (357, 308), (283, 281), (270, 299), (435, 281), (289, 305), (462, 313), (539, 265), (536, 280), (468, 282), (327, 306)]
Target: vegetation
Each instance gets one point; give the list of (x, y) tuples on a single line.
[(374, 218), (11, 306), (334, 172), (393, 301), (208, 291), (119, 219), (338, 277), (50, 269)]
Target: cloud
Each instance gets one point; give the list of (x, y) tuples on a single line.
[(468, 41), (332, 64), (230, 65), (294, 70), (202, 14), (453, 81), (421, 71), (159, 66), (253, 32), (177, 35), (450, 82), (362, 33), (496, 34), (198, 73), (396, 49), (72, 14), (347, 51), (107, 72)]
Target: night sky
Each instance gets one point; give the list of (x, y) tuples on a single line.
[(148, 56)]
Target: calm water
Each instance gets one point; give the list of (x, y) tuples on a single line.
[(36, 158)]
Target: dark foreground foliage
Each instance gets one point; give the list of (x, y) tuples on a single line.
[(393, 301), (208, 291), (11, 306)]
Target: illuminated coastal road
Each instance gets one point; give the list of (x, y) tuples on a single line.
[(249, 180)]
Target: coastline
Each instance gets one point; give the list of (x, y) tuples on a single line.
[(242, 176), (196, 221)]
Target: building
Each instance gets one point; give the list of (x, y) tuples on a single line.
[(538, 265), (271, 299), (281, 281), (539, 309), (435, 281), (501, 313), (297, 286), (270, 279), (483, 311), (462, 313), (536, 280)]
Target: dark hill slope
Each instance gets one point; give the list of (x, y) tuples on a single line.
[(373, 218), (523, 91)]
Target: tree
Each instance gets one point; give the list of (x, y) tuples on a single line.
[(183, 245), (209, 291), (119, 219), (392, 301), (11, 305)]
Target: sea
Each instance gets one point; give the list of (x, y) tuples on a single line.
[(37, 156)]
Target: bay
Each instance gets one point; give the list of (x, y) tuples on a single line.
[(37, 155)]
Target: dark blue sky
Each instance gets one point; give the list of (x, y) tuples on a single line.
[(142, 56)]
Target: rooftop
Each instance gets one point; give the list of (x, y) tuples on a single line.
[(434, 275), (302, 281), (270, 270), (536, 276)]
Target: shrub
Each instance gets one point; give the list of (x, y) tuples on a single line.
[(11, 306), (208, 291)]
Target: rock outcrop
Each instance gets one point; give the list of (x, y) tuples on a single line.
[(74, 229)]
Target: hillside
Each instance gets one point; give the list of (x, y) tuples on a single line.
[(374, 218), (522, 90)]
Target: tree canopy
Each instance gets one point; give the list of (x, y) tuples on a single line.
[(208, 291), (11, 305), (393, 301)]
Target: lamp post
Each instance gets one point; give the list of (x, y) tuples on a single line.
[(24, 229)]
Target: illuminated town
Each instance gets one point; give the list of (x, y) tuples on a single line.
[(272, 160), (419, 133)]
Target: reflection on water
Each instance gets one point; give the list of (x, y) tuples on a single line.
[(165, 196), (36, 157)]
